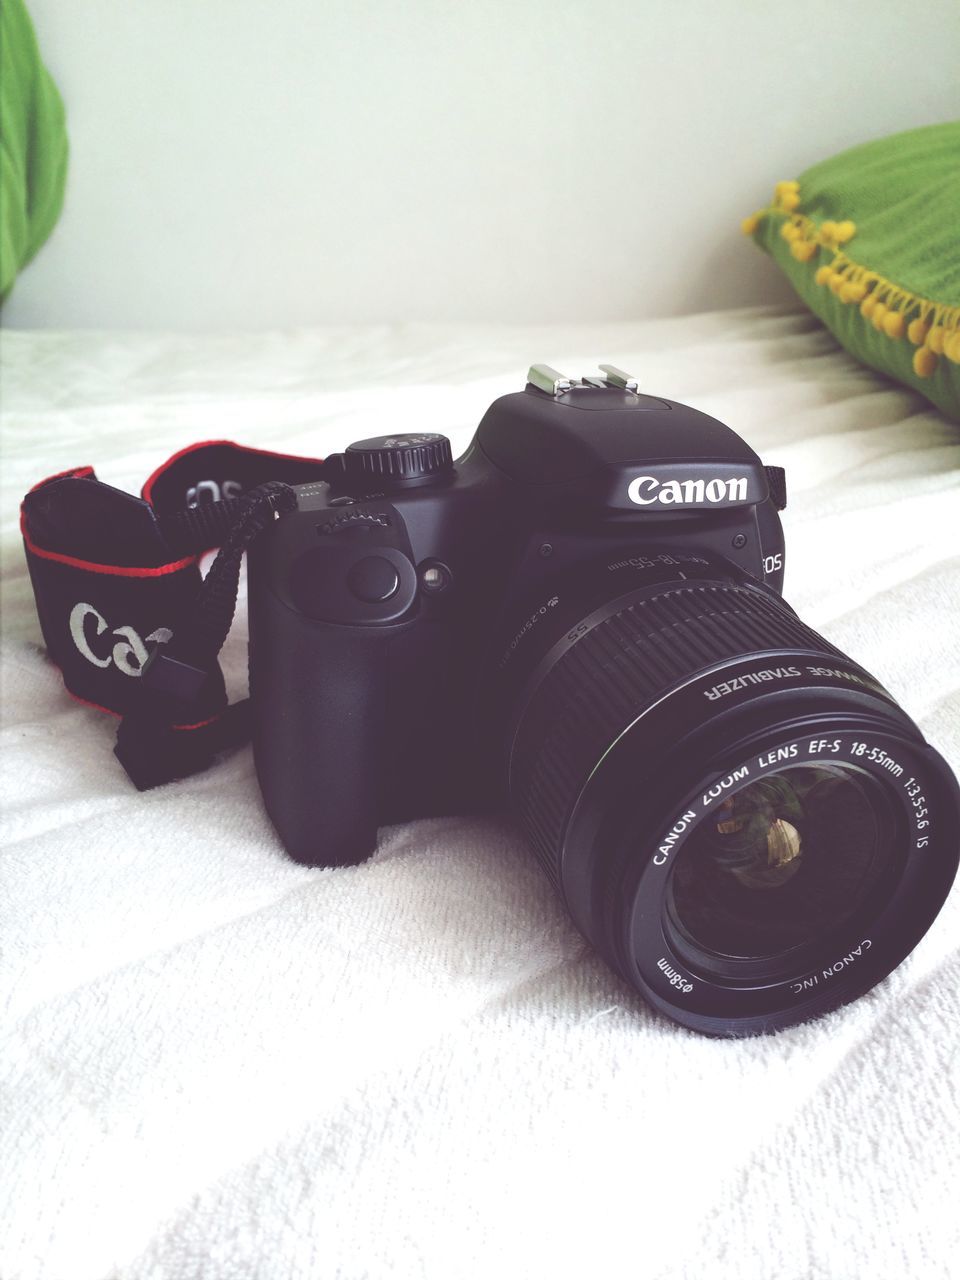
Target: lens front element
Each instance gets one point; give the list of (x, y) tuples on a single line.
[(782, 864)]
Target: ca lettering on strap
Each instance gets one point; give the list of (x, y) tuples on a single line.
[(123, 608)]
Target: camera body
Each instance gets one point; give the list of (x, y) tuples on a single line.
[(397, 612)]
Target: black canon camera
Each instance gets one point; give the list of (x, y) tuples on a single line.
[(580, 619)]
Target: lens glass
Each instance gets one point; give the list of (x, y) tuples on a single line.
[(781, 863)]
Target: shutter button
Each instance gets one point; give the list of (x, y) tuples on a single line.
[(373, 579)]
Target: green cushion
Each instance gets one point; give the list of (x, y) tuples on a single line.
[(33, 145), (870, 239)]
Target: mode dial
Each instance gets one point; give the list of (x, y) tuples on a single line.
[(403, 457)]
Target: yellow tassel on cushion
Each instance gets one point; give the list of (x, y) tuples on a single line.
[(917, 332), (935, 339), (853, 291), (786, 195), (749, 225), (834, 233), (924, 362), (877, 316), (893, 324), (867, 305), (803, 250)]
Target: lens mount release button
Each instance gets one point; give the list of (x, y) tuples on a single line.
[(373, 579)]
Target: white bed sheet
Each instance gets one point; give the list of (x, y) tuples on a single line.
[(216, 1063)]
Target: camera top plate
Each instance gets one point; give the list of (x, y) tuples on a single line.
[(602, 431)]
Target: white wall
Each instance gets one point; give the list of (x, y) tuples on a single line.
[(248, 163)]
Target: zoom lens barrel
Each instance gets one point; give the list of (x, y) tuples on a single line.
[(738, 817)]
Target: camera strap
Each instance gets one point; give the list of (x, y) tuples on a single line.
[(125, 613)]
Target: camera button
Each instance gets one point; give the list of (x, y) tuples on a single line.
[(373, 579)]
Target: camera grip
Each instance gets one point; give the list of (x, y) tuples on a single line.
[(318, 693)]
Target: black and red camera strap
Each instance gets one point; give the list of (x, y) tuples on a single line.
[(125, 613)]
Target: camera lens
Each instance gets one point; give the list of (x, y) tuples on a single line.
[(740, 818), (779, 865)]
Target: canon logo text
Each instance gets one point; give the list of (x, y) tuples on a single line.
[(645, 490)]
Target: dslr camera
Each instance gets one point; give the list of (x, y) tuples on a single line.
[(580, 620)]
